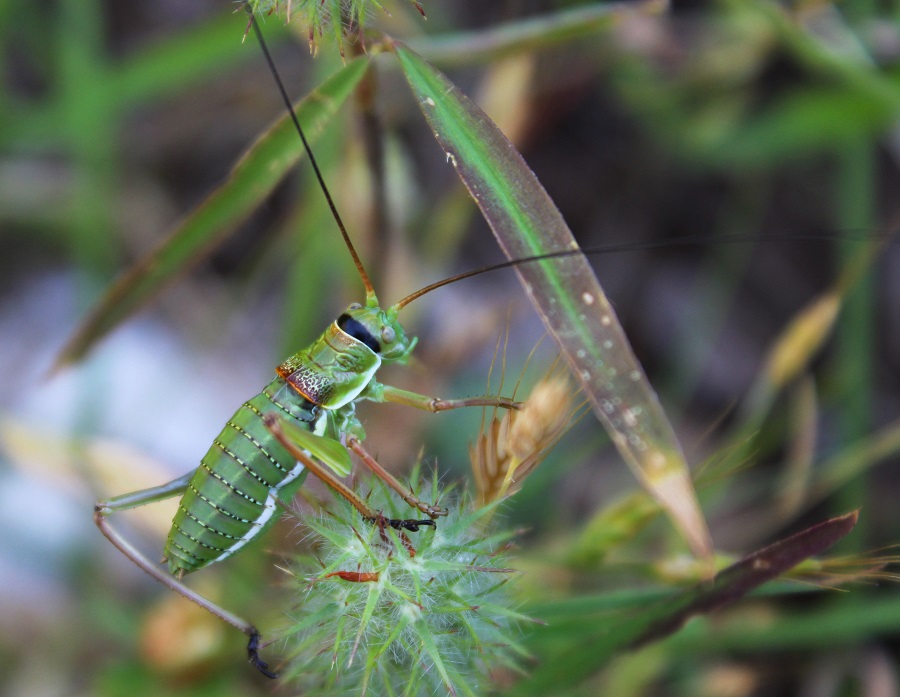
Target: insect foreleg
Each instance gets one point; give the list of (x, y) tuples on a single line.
[(432, 511), (386, 393), (176, 487)]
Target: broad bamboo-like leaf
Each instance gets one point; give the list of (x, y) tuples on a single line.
[(252, 178), (564, 291)]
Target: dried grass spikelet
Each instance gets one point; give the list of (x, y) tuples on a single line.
[(508, 449), (329, 20)]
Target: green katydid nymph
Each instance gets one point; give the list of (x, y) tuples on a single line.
[(303, 418)]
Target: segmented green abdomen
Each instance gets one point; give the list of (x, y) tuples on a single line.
[(232, 496)]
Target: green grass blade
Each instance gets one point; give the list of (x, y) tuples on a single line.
[(565, 292), (252, 178), (532, 33), (183, 59)]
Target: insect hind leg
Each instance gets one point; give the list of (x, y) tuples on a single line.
[(102, 511), (253, 655)]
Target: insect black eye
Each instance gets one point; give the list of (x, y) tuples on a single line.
[(358, 331), (388, 334)]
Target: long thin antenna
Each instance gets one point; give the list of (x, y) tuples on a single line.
[(484, 269), (370, 291), (883, 235)]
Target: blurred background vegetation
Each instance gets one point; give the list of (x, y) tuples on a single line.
[(771, 122)]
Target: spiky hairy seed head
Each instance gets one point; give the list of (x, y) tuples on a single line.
[(415, 613), (510, 448), (325, 18)]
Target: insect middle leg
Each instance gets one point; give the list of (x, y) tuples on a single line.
[(102, 510), (431, 510), (277, 427)]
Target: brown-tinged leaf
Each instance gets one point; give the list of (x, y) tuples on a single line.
[(733, 583)]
